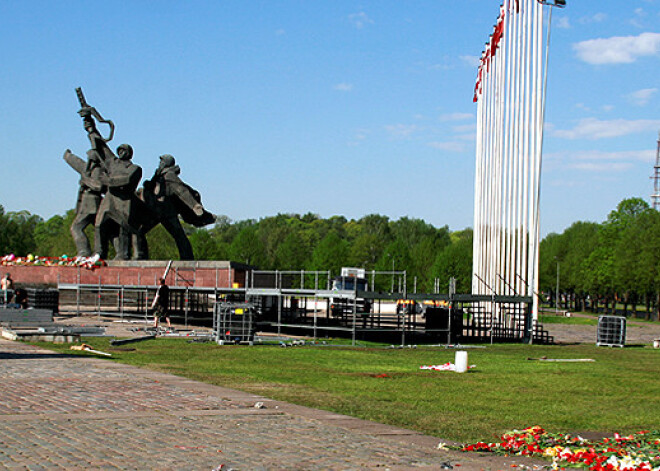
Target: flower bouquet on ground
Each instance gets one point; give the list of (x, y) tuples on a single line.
[(636, 452)]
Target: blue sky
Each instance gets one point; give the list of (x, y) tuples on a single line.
[(331, 107)]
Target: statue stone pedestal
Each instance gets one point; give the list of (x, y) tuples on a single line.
[(199, 274)]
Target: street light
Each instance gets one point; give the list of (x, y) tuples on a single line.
[(553, 3), (557, 292)]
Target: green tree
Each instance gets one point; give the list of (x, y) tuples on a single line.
[(635, 266), (365, 251), (53, 237), (247, 248), (161, 245), (602, 262), (17, 232), (293, 253), (331, 253), (207, 247), (455, 261)]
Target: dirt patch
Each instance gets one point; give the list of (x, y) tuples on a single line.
[(637, 333)]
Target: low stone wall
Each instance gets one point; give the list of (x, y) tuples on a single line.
[(224, 274)]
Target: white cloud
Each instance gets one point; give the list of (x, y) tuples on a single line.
[(600, 161), (595, 18), (456, 116), (640, 15), (618, 49), (471, 128), (451, 146), (360, 136), (643, 96), (628, 156), (601, 166), (563, 23), (343, 87), (472, 61), (440, 66), (401, 131), (280, 32), (592, 128), (469, 137), (359, 20)]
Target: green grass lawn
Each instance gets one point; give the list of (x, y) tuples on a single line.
[(550, 319), (619, 392)]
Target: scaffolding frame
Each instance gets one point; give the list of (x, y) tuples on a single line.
[(303, 308)]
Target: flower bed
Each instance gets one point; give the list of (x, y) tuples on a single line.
[(639, 451), (64, 260)]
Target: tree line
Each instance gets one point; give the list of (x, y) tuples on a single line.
[(284, 242), (613, 262)]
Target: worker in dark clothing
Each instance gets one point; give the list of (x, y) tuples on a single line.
[(21, 298), (161, 304)]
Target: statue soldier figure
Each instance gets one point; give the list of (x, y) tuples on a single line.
[(167, 196), (122, 214), (116, 216), (91, 188), (90, 194)]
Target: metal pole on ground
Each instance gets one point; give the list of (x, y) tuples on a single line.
[(186, 306), (354, 311), (279, 303), (403, 311), (316, 289)]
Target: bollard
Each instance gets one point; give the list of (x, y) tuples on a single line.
[(461, 361)]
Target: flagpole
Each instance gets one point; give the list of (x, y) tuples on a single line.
[(518, 142)]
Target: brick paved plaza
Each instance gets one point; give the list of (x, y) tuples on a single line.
[(74, 413)]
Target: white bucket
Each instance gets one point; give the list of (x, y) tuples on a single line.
[(656, 343), (461, 361)]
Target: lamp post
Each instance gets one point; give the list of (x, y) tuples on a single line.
[(553, 3), (557, 292)]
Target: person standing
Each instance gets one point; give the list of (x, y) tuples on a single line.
[(161, 304), (7, 285)]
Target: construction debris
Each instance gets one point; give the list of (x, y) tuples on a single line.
[(132, 340), (566, 360), (87, 348)]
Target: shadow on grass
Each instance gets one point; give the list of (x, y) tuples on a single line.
[(35, 356)]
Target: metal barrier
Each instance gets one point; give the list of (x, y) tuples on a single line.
[(298, 303)]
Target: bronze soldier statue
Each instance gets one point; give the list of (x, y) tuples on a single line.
[(122, 214), (166, 196), (90, 194), (116, 217)]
